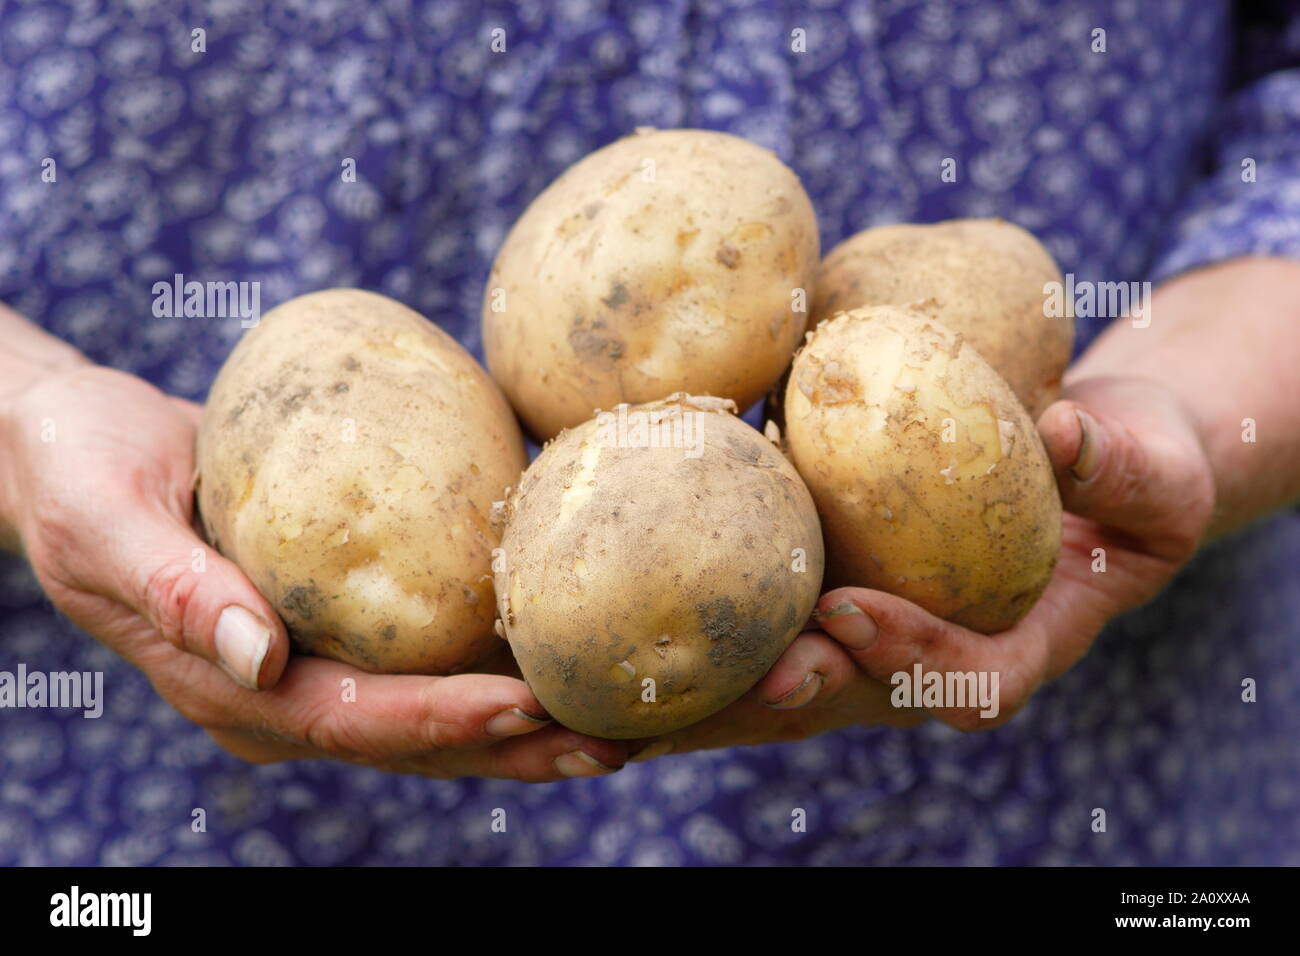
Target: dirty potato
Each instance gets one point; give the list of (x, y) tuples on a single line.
[(656, 562), (348, 459), (674, 260), (931, 481), (983, 278)]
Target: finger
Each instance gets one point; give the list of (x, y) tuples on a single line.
[(1142, 482), (345, 713), (258, 748), (198, 600), (812, 670), (553, 754), (811, 677), (984, 678)]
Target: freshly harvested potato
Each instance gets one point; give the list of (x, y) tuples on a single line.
[(931, 481), (667, 261), (982, 278), (348, 459), (647, 583)]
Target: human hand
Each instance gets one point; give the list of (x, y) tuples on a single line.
[(1139, 495), (96, 479), (814, 687), (1138, 487)]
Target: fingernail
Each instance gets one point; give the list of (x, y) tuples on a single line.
[(854, 627), (579, 764), (242, 641), (657, 749), (513, 722), (802, 694), (1085, 463), (837, 610)]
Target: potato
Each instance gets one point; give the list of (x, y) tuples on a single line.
[(644, 588), (931, 481), (668, 261), (982, 278), (348, 459)]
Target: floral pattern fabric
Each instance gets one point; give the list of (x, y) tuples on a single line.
[(1126, 159)]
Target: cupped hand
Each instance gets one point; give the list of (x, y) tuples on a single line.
[(814, 687), (1139, 495), (96, 486), (1138, 491)]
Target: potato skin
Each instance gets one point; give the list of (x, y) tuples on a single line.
[(612, 288), (969, 529), (982, 278), (348, 458), (627, 563)]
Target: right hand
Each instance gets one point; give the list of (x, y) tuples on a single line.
[(96, 471)]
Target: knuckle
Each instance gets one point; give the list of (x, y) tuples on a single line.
[(436, 731), (328, 729), (435, 736), (168, 592), (510, 763)]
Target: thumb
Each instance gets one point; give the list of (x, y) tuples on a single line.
[(199, 601), (897, 643), (1128, 458)]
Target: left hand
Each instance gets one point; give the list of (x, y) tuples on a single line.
[(1135, 482)]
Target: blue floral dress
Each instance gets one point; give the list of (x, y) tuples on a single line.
[(1118, 132)]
